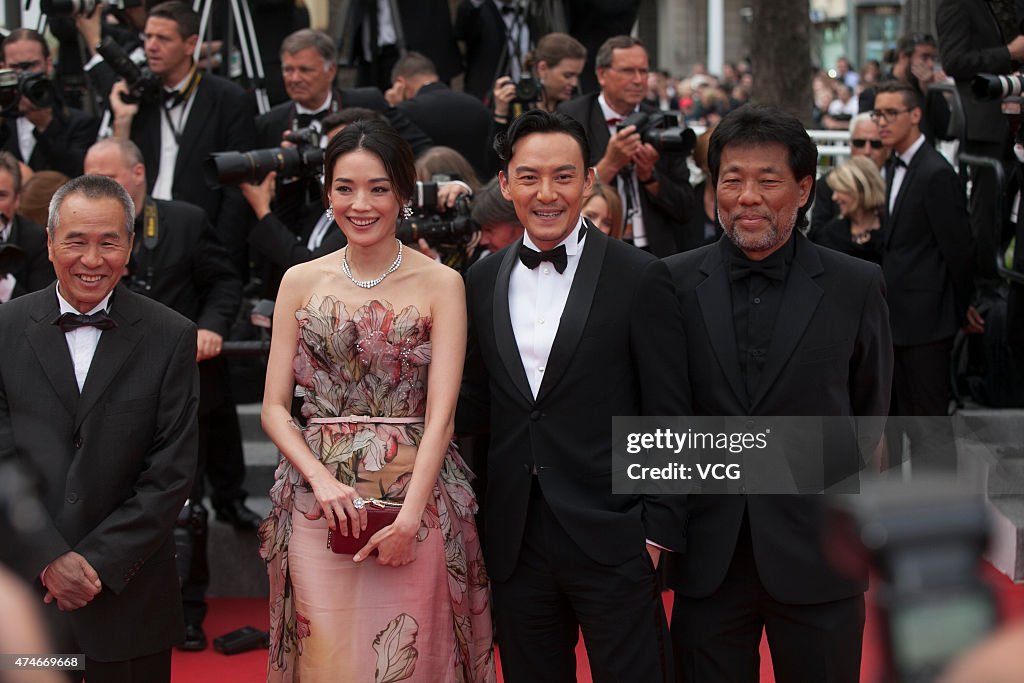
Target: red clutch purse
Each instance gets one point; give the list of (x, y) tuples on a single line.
[(379, 514)]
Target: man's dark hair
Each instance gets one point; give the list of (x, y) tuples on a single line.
[(180, 13), (381, 140), (540, 121), (413, 64), (308, 38), (490, 207), (20, 34), (910, 96), (605, 53), (349, 115), (752, 125), (93, 187)]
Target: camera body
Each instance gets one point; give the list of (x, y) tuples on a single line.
[(994, 87), (35, 85), (143, 84), (661, 132), (304, 160), (449, 229)]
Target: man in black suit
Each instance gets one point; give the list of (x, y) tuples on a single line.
[(98, 395), (497, 35), (29, 268), (451, 118), (974, 41), (47, 138), (775, 325), (423, 26), (926, 259), (654, 187), (567, 329), (309, 65), (199, 114), (178, 261)]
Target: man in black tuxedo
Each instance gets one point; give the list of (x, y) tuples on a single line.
[(775, 325), (29, 268), (555, 350), (654, 187), (451, 118), (98, 396), (178, 261), (926, 259), (47, 138), (309, 65), (199, 114)]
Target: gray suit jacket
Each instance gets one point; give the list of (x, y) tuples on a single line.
[(115, 462)]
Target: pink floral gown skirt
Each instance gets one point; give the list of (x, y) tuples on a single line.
[(334, 620)]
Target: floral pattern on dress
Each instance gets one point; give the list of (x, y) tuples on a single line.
[(374, 363)]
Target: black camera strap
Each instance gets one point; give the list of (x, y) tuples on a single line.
[(632, 199), (142, 266), (187, 95)]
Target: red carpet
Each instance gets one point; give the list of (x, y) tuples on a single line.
[(228, 614)]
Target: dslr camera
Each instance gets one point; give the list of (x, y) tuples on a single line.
[(993, 87), (304, 160), (661, 132), (143, 84), (35, 85), (443, 230)]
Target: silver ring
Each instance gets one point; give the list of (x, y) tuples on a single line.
[(358, 503)]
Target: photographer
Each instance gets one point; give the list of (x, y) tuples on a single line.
[(125, 26), (193, 115), (654, 186), (40, 130), (974, 41), (440, 224)]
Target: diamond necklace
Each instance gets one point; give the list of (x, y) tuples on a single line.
[(367, 284)]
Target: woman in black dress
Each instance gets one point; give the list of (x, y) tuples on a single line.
[(859, 192)]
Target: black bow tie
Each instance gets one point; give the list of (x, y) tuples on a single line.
[(532, 258), (896, 160), (172, 98), (305, 119), (72, 321), (741, 269)]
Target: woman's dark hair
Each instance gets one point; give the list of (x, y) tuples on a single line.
[(380, 139), (540, 121), (552, 49), (753, 125)]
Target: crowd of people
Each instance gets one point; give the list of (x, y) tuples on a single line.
[(512, 262)]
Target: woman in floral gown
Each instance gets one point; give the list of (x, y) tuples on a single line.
[(372, 337)]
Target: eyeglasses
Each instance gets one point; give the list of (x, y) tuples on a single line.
[(634, 72), (860, 142), (886, 114)]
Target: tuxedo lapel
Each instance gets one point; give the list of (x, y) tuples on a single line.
[(115, 346), (577, 308), (715, 301), (51, 348), (199, 117), (908, 182), (146, 134), (597, 131), (504, 335), (800, 298)]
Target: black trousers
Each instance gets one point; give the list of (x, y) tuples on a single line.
[(717, 639), (556, 591), (155, 668), (920, 402)]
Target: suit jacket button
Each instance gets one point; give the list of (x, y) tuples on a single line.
[(72, 498), (78, 440), (535, 415)]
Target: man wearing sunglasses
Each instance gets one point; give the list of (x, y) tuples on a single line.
[(864, 142)]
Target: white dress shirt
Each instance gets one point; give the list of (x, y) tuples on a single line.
[(178, 115), (536, 299), (639, 234), (26, 138), (82, 342), (900, 172)]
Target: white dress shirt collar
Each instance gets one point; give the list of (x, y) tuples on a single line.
[(299, 109)]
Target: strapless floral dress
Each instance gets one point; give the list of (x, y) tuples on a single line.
[(332, 619)]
